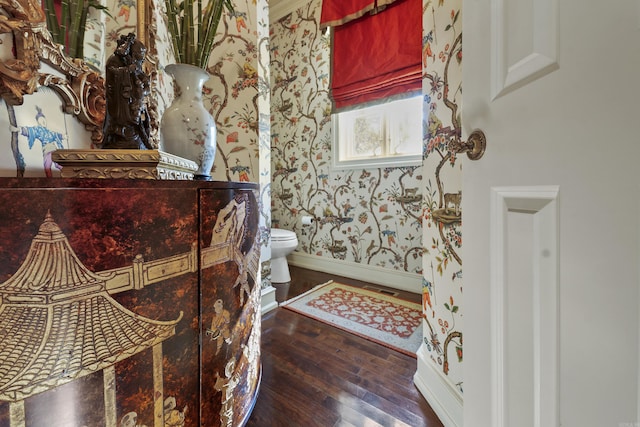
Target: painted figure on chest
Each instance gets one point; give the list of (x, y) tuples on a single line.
[(226, 385), (173, 417), (219, 331)]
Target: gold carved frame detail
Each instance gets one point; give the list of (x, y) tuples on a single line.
[(81, 89), (147, 33)]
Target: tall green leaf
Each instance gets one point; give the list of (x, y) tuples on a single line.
[(52, 20), (192, 27), (68, 29)]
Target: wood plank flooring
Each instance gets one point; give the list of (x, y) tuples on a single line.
[(316, 375)]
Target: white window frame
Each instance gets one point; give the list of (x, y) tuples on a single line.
[(341, 161)]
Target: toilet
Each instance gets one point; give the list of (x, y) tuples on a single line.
[(283, 242)]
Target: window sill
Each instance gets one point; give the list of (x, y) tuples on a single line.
[(375, 162)]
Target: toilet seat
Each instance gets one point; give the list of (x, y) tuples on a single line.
[(280, 235)]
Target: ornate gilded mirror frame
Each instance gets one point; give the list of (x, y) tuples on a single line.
[(146, 33), (142, 21), (81, 88)]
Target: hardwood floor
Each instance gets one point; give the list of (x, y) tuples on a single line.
[(316, 375)]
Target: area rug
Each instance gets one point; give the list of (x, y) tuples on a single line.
[(387, 320)]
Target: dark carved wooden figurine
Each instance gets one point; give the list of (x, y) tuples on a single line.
[(126, 124)]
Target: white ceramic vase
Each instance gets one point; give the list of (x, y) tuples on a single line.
[(187, 129)]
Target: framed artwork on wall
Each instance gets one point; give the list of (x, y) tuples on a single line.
[(42, 90), (33, 131)]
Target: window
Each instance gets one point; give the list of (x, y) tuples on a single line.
[(388, 134), (376, 79)]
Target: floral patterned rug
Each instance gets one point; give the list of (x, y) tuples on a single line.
[(387, 320)]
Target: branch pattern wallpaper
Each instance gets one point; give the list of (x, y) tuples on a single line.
[(442, 215), (237, 96), (238, 83), (405, 218), (369, 216)]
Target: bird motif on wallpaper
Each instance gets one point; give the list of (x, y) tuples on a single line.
[(390, 235), (426, 48), (240, 19), (281, 170), (337, 247), (242, 171), (248, 71), (326, 117), (125, 8), (323, 78), (280, 81), (347, 208), (286, 106), (285, 194)]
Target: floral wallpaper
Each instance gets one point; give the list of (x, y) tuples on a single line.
[(442, 217), (264, 137), (238, 83), (120, 20), (237, 96), (368, 216), (406, 219), (232, 92)]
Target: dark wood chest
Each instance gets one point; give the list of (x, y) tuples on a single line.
[(128, 303)]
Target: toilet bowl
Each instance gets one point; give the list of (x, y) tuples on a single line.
[(283, 242)]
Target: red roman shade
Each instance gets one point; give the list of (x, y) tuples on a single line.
[(374, 57)]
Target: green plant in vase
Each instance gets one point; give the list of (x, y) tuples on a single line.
[(192, 26), (187, 129)]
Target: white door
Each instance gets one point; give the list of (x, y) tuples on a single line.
[(551, 213)]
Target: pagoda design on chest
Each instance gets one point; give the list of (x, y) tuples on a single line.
[(118, 313), (59, 323)]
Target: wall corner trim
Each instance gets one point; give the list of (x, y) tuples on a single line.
[(443, 398), (268, 299), (401, 280)]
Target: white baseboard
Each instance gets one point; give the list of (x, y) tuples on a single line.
[(443, 398), (396, 279), (268, 299)]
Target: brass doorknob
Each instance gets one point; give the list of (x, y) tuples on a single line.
[(474, 146)]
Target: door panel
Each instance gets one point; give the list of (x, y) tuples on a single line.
[(524, 39), (566, 132), (524, 305)]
